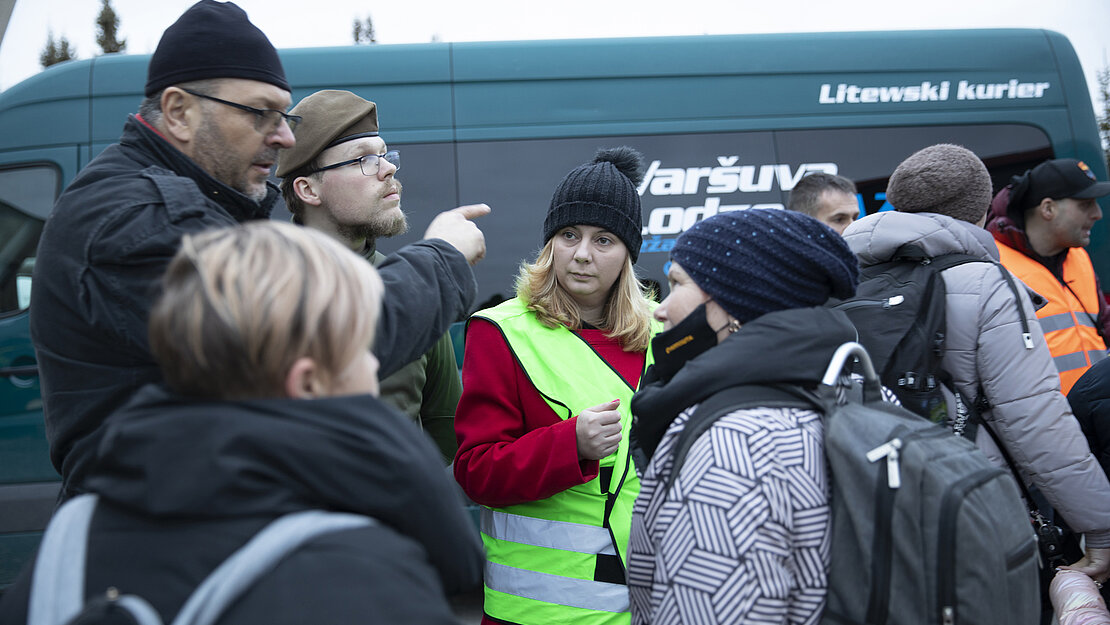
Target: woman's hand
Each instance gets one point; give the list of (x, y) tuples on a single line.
[(1095, 563), (598, 430)]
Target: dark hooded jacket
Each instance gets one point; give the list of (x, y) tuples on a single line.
[(183, 484), (762, 462), (1090, 401), (101, 258)]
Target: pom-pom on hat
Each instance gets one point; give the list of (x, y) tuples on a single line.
[(757, 261), (213, 40), (601, 193), (945, 179)]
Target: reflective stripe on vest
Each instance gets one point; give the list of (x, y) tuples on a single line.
[(1068, 319), (554, 560), (1063, 321), (575, 593), (543, 533)]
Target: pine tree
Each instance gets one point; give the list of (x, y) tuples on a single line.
[(107, 24), (364, 33), (1104, 116), (56, 51)]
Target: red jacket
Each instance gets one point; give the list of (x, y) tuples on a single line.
[(513, 448)]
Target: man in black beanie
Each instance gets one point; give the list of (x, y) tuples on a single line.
[(198, 155)]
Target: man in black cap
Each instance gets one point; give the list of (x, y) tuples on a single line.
[(1041, 222), (197, 156), (340, 179)]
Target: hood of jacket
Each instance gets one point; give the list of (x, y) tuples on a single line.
[(167, 457), (803, 341), (876, 238)]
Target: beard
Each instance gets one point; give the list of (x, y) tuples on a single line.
[(378, 228), (215, 156)]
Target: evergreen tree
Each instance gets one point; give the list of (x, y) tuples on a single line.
[(107, 23), (1104, 114), (364, 33), (56, 51)]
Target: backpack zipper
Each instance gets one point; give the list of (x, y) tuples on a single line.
[(946, 539), (886, 303), (889, 450)]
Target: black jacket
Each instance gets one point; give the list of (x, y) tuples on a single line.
[(100, 260), (1090, 401), (183, 484), (802, 340)]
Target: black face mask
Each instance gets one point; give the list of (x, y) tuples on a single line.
[(689, 338)]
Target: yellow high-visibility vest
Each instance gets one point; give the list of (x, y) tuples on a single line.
[(546, 560)]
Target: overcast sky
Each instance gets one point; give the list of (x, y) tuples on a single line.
[(306, 23)]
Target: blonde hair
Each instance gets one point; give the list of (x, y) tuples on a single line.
[(240, 305), (627, 313)]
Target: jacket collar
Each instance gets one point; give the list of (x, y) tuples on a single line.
[(1008, 230), (169, 456), (141, 135), (803, 340)]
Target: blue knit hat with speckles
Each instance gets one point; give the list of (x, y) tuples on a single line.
[(757, 261)]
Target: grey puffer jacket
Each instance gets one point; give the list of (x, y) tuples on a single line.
[(985, 348)]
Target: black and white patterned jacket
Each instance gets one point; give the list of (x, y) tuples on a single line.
[(743, 533)]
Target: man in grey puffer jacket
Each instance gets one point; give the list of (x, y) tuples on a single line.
[(941, 195)]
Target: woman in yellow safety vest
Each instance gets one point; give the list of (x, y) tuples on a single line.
[(544, 416)]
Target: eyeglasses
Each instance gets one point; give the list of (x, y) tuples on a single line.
[(370, 164), (265, 120)]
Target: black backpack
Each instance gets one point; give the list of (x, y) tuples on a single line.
[(924, 528), (899, 314)]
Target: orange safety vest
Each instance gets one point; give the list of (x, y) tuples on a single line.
[(1070, 318)]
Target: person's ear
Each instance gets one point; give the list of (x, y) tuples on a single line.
[(303, 380), (308, 190), (1047, 209), (181, 116)]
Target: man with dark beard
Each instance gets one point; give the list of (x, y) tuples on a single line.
[(340, 179), (196, 156)]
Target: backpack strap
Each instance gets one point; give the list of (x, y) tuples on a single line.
[(259, 556), (730, 400), (58, 581)]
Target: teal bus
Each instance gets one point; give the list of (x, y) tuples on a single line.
[(725, 123)]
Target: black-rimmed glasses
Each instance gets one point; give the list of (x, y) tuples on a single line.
[(370, 164), (265, 120)]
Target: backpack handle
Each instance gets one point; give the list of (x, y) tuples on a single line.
[(849, 352)]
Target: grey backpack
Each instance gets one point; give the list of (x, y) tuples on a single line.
[(924, 528), (58, 583)]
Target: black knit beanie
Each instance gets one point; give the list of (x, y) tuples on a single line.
[(945, 179), (762, 260), (601, 193), (213, 40)]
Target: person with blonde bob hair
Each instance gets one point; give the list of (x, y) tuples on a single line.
[(301, 323), (543, 420), (270, 407)]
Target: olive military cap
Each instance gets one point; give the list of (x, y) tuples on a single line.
[(329, 117)]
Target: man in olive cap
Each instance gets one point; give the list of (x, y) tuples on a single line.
[(1041, 222), (197, 156), (340, 179)]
